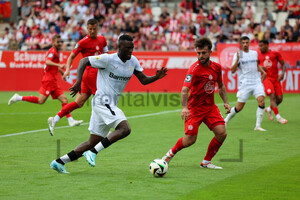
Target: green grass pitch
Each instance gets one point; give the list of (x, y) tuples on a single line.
[(269, 168)]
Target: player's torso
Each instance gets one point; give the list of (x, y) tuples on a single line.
[(50, 72), (269, 61), (248, 67), (203, 85)]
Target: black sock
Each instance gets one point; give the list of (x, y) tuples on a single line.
[(73, 156), (262, 107), (235, 110), (60, 161)]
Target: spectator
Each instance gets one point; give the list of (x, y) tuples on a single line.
[(75, 35), (279, 39), (4, 42), (33, 41), (230, 40), (238, 10), (280, 5), (289, 36), (197, 5), (150, 46), (249, 11), (255, 40), (26, 10), (273, 28), (232, 19), (248, 33), (287, 25), (227, 9), (135, 8), (157, 29), (227, 28), (165, 15), (132, 30), (294, 10), (186, 5), (267, 14)]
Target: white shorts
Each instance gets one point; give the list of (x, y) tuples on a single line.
[(104, 118), (246, 91)]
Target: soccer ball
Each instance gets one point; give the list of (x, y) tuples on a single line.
[(158, 167)]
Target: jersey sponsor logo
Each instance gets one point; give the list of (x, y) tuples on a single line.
[(50, 55), (130, 68), (188, 78), (76, 46), (119, 78), (116, 67), (248, 61), (209, 87)]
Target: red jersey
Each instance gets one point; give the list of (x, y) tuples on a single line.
[(280, 4), (51, 71), (270, 60), (201, 81), (90, 47)]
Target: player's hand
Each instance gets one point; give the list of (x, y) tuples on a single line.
[(66, 75), (161, 73), (62, 66), (263, 77), (75, 88), (280, 77), (185, 113), (227, 107)]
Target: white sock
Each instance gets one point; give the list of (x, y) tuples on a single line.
[(230, 115), (19, 98), (65, 158), (56, 119), (259, 116), (269, 109), (278, 116), (170, 152), (70, 119), (205, 162), (99, 147)]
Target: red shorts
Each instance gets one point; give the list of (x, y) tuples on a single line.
[(89, 81), (272, 86), (211, 117), (50, 88)]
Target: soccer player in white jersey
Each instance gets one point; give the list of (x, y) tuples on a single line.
[(250, 81), (114, 72)]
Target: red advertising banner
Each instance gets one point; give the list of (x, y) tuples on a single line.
[(23, 71)]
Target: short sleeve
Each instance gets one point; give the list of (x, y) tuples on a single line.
[(137, 65), (189, 77), (99, 61), (78, 48), (51, 56)]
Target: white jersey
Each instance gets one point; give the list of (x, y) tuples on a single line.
[(113, 76), (248, 68)]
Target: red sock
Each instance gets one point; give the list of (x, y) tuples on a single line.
[(178, 146), (31, 99), (67, 109), (213, 148), (275, 110), (69, 114)]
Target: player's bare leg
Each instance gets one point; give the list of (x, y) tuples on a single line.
[(274, 102), (32, 99), (121, 131), (214, 146), (234, 110)]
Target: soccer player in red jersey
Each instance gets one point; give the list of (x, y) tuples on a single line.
[(200, 106), (49, 81), (91, 45), (269, 59)]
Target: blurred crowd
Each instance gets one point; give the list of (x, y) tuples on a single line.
[(169, 31)]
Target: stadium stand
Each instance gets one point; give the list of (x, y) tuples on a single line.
[(184, 21)]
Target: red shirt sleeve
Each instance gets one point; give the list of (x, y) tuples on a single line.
[(219, 79), (189, 77), (51, 55), (78, 48), (279, 57)]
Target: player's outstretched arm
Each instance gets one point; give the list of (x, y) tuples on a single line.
[(223, 95), (81, 67), (144, 79)]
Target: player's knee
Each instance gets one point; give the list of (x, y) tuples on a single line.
[(190, 141), (126, 131), (80, 103), (41, 101)]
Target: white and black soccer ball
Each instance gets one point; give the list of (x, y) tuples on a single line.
[(158, 167)]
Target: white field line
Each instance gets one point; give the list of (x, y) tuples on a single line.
[(130, 117)]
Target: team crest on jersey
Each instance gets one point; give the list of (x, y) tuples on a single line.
[(97, 48), (209, 87), (116, 67), (267, 62), (188, 78), (76, 46), (50, 55), (97, 57), (210, 77), (190, 127)]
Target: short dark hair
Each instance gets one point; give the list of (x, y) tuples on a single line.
[(203, 42), (264, 41), (92, 22), (125, 37), (244, 38), (55, 37)]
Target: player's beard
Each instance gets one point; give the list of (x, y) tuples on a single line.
[(204, 62)]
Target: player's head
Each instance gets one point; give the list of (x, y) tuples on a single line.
[(263, 45), (203, 48), (92, 28), (245, 42), (57, 42), (125, 44)]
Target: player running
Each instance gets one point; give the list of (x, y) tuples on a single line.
[(115, 70), (268, 59), (49, 81), (91, 45), (200, 106), (250, 82)]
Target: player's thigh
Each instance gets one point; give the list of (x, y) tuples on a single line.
[(244, 93), (278, 89), (191, 125), (268, 86), (57, 93), (259, 91), (63, 98)]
